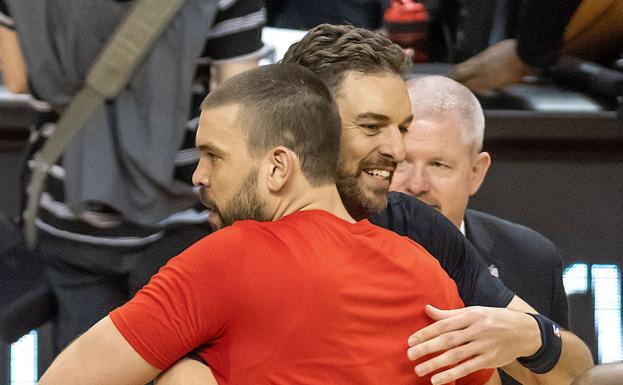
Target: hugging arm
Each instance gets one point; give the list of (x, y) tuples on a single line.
[(494, 330), (99, 356), (481, 337), (183, 307)]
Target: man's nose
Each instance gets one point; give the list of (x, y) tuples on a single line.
[(418, 182), (201, 175), (393, 144)]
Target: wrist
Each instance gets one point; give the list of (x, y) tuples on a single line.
[(533, 339), (546, 357)]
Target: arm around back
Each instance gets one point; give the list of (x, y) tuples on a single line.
[(101, 356), (483, 337)]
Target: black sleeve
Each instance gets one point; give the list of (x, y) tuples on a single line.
[(541, 30), (560, 307), (410, 217)]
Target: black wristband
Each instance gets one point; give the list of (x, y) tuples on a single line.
[(547, 356)]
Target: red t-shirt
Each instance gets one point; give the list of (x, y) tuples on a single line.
[(308, 299)]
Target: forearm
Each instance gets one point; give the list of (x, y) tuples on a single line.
[(574, 360), (575, 357), (101, 356), (476, 337)]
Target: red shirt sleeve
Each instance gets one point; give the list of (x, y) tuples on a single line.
[(188, 303)]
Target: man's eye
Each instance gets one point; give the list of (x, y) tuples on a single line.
[(403, 129), (371, 127), (440, 165)]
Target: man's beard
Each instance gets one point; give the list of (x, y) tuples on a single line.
[(358, 203), (245, 204)]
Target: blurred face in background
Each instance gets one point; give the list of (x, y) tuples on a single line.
[(376, 113), (441, 166)]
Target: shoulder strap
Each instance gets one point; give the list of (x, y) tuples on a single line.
[(115, 64)]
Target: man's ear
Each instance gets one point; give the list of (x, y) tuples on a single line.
[(283, 163), (480, 166)]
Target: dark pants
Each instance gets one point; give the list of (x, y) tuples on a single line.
[(89, 281)]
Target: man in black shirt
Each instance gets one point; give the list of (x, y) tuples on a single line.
[(357, 65)]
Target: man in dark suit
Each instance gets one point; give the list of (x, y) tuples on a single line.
[(445, 165), (523, 259)]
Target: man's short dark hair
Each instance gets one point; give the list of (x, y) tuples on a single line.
[(330, 51), (286, 104)]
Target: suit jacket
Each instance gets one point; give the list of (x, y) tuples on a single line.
[(527, 262)]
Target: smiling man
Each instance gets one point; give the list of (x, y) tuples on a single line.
[(362, 70), (299, 292), (369, 148)]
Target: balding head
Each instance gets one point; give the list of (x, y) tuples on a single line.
[(443, 164), (439, 97)]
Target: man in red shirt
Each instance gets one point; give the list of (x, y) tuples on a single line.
[(300, 292)]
